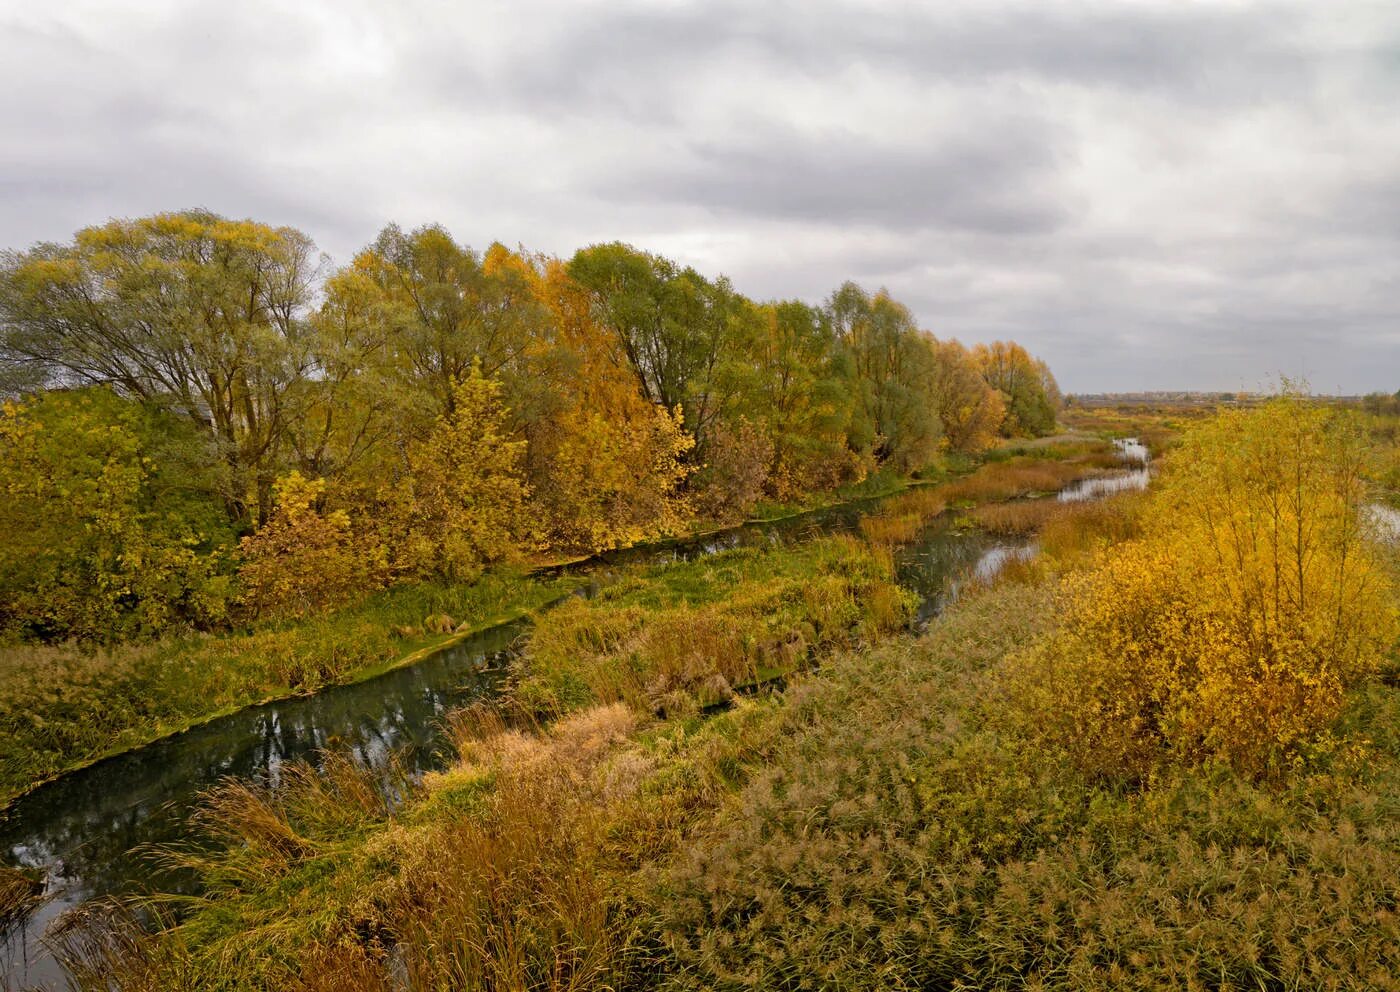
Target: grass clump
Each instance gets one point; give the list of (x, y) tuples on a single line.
[(688, 634), (1019, 476)]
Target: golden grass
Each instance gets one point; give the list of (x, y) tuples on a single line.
[(1020, 477), (891, 528)]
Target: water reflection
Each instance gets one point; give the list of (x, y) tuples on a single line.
[(82, 829), (1131, 452), (1386, 520)]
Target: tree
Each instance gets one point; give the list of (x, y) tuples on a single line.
[(800, 391), (605, 464), (1028, 390), (1232, 630), (675, 329), (190, 309), (460, 503), (109, 531), (448, 308), (969, 409), (894, 370), (361, 401), (303, 561)]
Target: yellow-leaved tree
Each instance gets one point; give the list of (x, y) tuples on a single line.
[(1233, 629), (606, 464), (303, 561), (460, 504)]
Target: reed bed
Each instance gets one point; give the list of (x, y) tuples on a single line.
[(1023, 476)]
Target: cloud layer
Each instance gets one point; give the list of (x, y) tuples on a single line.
[(1149, 195)]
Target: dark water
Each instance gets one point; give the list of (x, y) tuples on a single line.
[(87, 831)]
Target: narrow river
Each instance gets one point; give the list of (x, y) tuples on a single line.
[(88, 831)]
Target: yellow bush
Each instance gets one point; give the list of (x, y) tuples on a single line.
[(302, 561), (1232, 630)]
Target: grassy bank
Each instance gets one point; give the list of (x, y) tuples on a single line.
[(64, 706), (986, 806)]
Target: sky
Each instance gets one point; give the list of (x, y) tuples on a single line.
[(1149, 195)]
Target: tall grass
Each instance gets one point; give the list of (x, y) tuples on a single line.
[(1020, 477), (880, 825), (20, 894), (686, 635)]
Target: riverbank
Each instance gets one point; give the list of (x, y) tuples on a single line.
[(66, 708), (985, 805)]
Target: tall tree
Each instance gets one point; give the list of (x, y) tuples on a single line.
[(970, 410), (801, 390), (1029, 390), (677, 330), (191, 309), (893, 363), (449, 307)]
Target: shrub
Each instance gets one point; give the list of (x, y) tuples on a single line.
[(737, 459), (302, 561), (1232, 630)]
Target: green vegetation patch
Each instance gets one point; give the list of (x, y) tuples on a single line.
[(672, 637)]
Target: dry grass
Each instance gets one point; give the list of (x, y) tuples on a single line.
[(1024, 476), (926, 502), (890, 528), (1019, 518), (20, 894)]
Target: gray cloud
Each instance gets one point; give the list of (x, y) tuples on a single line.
[(1154, 195)]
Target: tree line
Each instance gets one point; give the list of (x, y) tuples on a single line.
[(205, 425)]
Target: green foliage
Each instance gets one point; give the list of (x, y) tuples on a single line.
[(675, 329), (894, 365), (190, 310), (676, 635), (103, 521)]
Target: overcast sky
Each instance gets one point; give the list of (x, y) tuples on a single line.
[(1148, 195)]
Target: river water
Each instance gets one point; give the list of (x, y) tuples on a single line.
[(89, 832)]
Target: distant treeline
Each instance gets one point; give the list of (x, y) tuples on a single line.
[(205, 426)]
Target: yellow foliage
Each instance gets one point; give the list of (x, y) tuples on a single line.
[(461, 504), (302, 561), (1233, 629), (606, 465)]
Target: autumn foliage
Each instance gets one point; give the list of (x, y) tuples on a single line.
[(302, 560), (428, 411), (1233, 629)]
